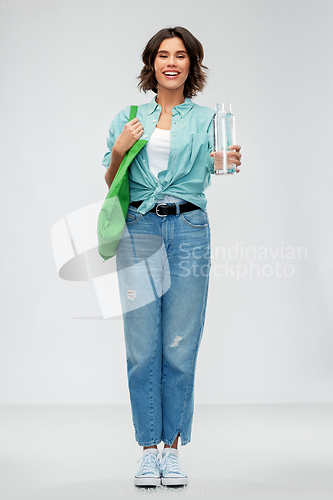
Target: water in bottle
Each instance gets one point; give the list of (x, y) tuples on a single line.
[(224, 136)]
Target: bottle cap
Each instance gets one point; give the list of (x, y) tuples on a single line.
[(224, 107)]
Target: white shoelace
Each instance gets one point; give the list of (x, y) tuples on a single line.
[(149, 463), (169, 463)]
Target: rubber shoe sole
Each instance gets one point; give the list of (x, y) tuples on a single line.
[(147, 481), (174, 481)]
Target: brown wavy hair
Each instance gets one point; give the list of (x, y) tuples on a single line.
[(197, 77)]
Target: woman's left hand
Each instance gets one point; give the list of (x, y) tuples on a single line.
[(234, 156)]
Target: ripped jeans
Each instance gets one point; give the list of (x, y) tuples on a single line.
[(163, 267)]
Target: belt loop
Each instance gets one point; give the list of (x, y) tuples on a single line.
[(177, 209)]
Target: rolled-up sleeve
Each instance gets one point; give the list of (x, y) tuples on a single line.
[(210, 159), (115, 130)]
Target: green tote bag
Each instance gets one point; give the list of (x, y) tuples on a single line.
[(111, 219)]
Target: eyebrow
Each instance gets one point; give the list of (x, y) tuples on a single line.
[(178, 51)]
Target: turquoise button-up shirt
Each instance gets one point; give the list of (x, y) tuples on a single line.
[(189, 166)]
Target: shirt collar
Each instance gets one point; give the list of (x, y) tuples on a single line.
[(182, 109)]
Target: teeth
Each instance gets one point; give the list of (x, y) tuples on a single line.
[(171, 73)]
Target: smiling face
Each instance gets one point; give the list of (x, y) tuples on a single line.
[(172, 64)]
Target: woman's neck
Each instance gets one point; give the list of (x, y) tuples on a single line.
[(167, 99)]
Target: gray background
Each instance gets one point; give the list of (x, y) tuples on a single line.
[(67, 69)]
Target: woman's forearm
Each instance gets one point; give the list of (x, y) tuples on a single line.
[(116, 159)]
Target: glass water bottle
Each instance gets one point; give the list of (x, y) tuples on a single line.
[(224, 136)]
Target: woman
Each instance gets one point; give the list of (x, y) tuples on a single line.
[(163, 259)]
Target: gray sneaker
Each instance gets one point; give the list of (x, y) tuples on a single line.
[(172, 475), (149, 472)]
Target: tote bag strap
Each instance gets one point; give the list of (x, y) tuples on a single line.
[(128, 158), (133, 112)]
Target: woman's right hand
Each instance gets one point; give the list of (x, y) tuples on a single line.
[(131, 132)]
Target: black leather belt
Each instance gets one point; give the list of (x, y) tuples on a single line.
[(162, 210)]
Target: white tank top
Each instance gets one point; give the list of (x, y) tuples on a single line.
[(158, 149)]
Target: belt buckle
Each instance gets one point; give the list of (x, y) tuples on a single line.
[(161, 205)]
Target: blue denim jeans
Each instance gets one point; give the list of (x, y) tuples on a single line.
[(163, 267)]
